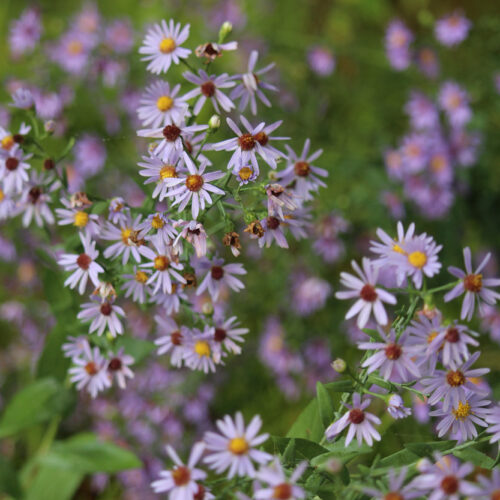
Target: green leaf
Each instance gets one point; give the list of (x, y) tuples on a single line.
[(34, 404), (137, 348), (89, 455), (340, 386), (303, 448), (427, 449), (54, 482), (478, 458), (9, 482), (339, 451), (324, 405), (400, 458), (308, 424), (52, 362), (289, 453)]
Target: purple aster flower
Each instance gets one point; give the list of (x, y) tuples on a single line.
[(23, 99), (321, 60), (360, 422), (119, 36), (397, 42), (234, 448), (475, 287), (490, 321), (208, 87), (422, 111), (278, 485), (162, 46), (369, 297), (396, 407), (309, 294), (440, 164), (493, 420), (273, 231), (71, 52), (160, 106), (414, 152), (160, 225), (118, 367), (193, 232), (199, 350), (428, 62), (14, 170), (395, 490), (393, 357), (460, 418), (455, 102), (490, 487), (391, 247), (393, 203), (102, 316), (278, 199), (227, 334), (453, 343), (76, 346), (452, 29), (454, 384), (25, 32), (393, 160), (252, 85), (35, 199), (173, 339), (76, 215), (136, 286), (90, 155), (465, 146), (445, 479), (247, 145), (219, 275)]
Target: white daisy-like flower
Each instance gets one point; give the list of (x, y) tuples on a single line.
[(218, 275), (171, 302), (229, 335), (8, 139), (90, 371), (102, 316), (173, 339), (83, 265), (160, 105), (182, 480), (14, 169), (279, 486), (234, 449), (251, 85), (78, 217), (208, 87), (136, 285), (199, 348), (118, 368), (36, 197), (162, 46)]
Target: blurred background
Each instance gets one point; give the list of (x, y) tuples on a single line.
[(338, 87)]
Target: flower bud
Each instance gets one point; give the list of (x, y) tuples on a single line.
[(214, 122), (333, 465), (339, 365), (207, 308), (225, 30), (49, 126)]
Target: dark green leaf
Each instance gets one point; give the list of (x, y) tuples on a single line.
[(427, 449), (9, 482), (137, 348), (308, 424), (339, 451), (401, 457), (54, 482), (476, 457), (324, 405), (303, 448), (52, 362), (340, 386)]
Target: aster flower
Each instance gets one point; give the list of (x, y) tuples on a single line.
[(278, 485), (8, 140), (71, 52), (227, 335), (490, 486), (165, 266), (13, 170), (162, 46), (453, 343), (160, 105), (369, 297), (22, 98), (414, 152), (103, 316), (173, 339), (119, 36), (118, 210), (90, 155), (75, 347), (181, 481), (220, 274), (194, 187), (392, 356), (246, 145), (452, 29), (455, 102), (273, 231), (278, 199), (397, 43), (493, 420), (321, 61), (90, 371), (360, 422), (78, 217), (198, 350), (84, 265), (460, 418), (309, 294), (445, 479), (118, 368), (471, 282), (428, 62), (129, 240), (395, 490), (396, 407), (25, 32), (251, 85), (454, 384), (161, 225), (422, 332), (234, 449), (171, 302), (136, 285), (208, 87), (422, 111), (300, 171), (35, 199), (171, 137), (211, 51), (193, 232), (391, 246)]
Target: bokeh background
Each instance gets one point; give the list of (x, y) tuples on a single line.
[(337, 88)]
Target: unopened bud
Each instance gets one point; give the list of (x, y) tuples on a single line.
[(207, 308), (339, 365), (225, 30), (110, 336), (214, 122), (273, 175), (49, 126), (333, 465)]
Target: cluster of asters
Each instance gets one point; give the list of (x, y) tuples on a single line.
[(432, 354), (428, 158)]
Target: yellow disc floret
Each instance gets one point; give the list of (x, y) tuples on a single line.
[(167, 45), (417, 259), (7, 142), (238, 446), (81, 219), (202, 348), (462, 411), (164, 103)]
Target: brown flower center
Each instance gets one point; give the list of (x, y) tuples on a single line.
[(115, 365), (194, 182), (273, 223), (83, 261), (200, 494), (49, 164), (455, 378), (181, 475), (473, 282), (106, 309), (171, 133), (393, 351), (161, 263), (368, 293), (217, 273), (449, 485), (302, 169), (208, 89), (220, 334), (393, 495), (356, 416), (176, 337), (452, 335), (282, 491), (91, 368), (11, 163), (495, 495), (246, 142), (34, 194), (262, 138)]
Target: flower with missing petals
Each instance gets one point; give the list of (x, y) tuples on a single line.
[(220, 274)]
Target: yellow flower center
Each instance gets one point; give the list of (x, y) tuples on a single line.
[(396, 248), (238, 446), (167, 45), (81, 219), (417, 259), (167, 172), (164, 103), (431, 336), (161, 263), (2, 195), (462, 411), (141, 277), (245, 173), (473, 282), (7, 142), (126, 233), (438, 162), (202, 348), (75, 47), (157, 222)]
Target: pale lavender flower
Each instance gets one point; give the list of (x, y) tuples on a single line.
[(119, 36), (160, 105), (454, 100), (369, 298), (171, 302), (136, 285), (199, 350), (76, 346), (227, 334), (490, 486), (459, 420), (465, 146), (273, 231), (118, 367), (453, 343), (428, 62), (193, 232), (493, 420), (208, 87), (393, 357), (35, 198), (219, 275), (71, 52), (22, 98), (235, 448), (14, 170), (445, 479), (454, 384), (161, 226), (396, 407), (422, 111), (397, 43), (181, 481), (102, 316), (278, 198), (118, 210), (309, 294), (278, 485), (452, 29), (360, 422), (414, 151), (395, 490), (321, 60), (48, 106), (251, 85), (173, 339), (90, 371), (25, 32), (77, 216), (246, 145), (490, 321), (84, 265), (475, 287), (90, 155)]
